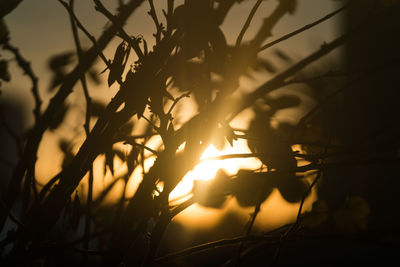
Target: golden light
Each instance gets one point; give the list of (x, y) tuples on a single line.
[(207, 169)]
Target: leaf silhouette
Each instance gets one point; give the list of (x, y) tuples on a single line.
[(291, 187), (139, 96), (250, 188), (117, 65), (276, 152), (212, 193), (195, 18)]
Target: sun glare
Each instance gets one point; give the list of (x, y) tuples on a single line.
[(207, 169)]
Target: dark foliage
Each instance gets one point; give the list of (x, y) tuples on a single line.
[(348, 143)]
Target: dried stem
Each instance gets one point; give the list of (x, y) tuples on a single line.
[(26, 67), (153, 15), (85, 31), (133, 42), (247, 23), (86, 126), (269, 22), (302, 29), (212, 245)]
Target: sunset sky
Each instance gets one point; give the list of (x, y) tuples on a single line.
[(42, 30)]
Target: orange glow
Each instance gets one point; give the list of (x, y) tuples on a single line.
[(207, 169)]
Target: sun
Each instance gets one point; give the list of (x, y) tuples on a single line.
[(207, 169)]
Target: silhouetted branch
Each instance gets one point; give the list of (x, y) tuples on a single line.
[(302, 29), (176, 102), (26, 67), (133, 42), (86, 126), (247, 23), (142, 146), (30, 180), (328, 74), (80, 55), (35, 137), (7, 6), (153, 15), (279, 80), (181, 207), (211, 245), (253, 217), (88, 35), (269, 22)]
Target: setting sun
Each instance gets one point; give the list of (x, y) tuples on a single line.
[(207, 169)]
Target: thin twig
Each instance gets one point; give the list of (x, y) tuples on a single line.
[(176, 102), (269, 22), (88, 35), (247, 23), (279, 80), (30, 179), (168, 16), (86, 126), (302, 29), (153, 15), (181, 207), (26, 67), (328, 74), (143, 146), (133, 42), (253, 217), (211, 245), (80, 55)]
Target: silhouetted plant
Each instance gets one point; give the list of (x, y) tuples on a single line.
[(190, 54)]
